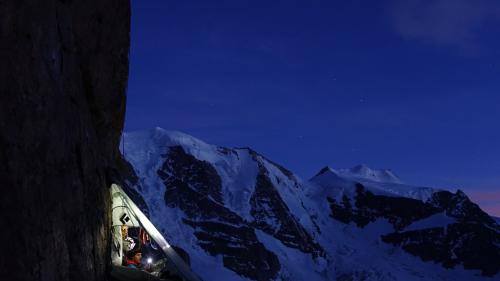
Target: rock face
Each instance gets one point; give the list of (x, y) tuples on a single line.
[(368, 207), (272, 215), (472, 240), (194, 187), (63, 73), (471, 244)]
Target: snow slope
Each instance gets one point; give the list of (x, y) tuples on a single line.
[(378, 181)]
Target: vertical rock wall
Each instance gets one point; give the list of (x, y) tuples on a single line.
[(63, 76)]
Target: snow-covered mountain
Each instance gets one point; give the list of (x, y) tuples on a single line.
[(241, 216), (363, 172)]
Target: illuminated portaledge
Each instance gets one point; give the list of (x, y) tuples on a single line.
[(122, 204)]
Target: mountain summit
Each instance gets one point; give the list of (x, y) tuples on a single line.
[(362, 171)]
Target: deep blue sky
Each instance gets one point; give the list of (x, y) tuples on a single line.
[(409, 85)]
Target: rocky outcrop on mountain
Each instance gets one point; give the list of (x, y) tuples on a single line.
[(272, 216), (63, 73), (368, 207), (474, 245), (194, 187), (459, 206), (473, 241)]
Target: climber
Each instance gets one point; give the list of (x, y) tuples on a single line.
[(134, 258)]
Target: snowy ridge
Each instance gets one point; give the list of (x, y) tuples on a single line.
[(144, 149), (337, 182), (315, 229), (364, 172)]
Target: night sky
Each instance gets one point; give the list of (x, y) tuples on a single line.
[(413, 86)]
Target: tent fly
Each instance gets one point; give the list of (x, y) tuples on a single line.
[(126, 214)]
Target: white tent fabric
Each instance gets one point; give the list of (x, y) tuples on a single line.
[(125, 211)]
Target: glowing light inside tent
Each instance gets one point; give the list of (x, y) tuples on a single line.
[(123, 203)]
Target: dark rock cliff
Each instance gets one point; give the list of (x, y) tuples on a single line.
[(194, 187), (472, 240), (63, 73), (268, 206)]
